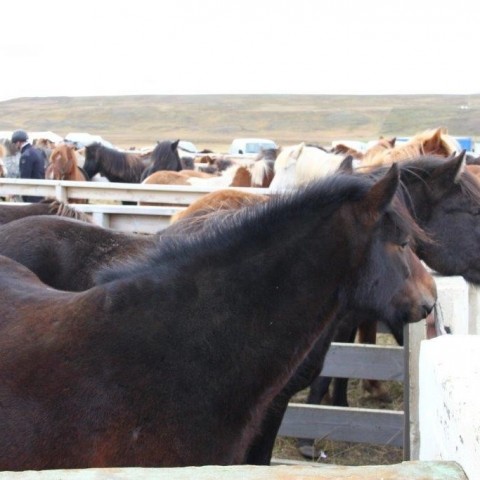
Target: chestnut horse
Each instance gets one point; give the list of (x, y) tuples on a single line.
[(225, 199), (82, 385), (429, 142), (62, 165)]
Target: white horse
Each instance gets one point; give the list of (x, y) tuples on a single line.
[(299, 164)]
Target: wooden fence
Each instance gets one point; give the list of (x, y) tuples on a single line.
[(382, 427)]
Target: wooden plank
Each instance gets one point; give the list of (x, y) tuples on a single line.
[(439, 470), (101, 191), (361, 425), (354, 360), (416, 333)]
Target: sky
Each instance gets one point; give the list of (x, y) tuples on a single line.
[(142, 47)]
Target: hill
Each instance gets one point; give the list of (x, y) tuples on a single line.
[(212, 121)]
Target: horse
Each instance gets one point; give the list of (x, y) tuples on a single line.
[(431, 188), (297, 164), (204, 315), (116, 165), (164, 157), (259, 174), (441, 183), (11, 212), (224, 199), (73, 250), (291, 169), (444, 197), (429, 142), (62, 165)]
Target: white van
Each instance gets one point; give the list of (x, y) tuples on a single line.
[(250, 146)]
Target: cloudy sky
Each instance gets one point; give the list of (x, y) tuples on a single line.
[(85, 47)]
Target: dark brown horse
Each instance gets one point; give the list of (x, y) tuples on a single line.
[(11, 211), (139, 368), (115, 165), (67, 253), (439, 180)]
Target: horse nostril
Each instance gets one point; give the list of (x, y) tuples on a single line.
[(427, 309)]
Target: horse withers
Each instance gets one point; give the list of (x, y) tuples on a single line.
[(190, 345)]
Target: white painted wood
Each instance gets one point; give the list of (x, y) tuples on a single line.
[(449, 414)]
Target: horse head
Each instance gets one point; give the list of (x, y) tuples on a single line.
[(62, 163)]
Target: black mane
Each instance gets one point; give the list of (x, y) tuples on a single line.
[(219, 233)]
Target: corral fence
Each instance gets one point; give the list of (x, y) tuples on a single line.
[(375, 426)]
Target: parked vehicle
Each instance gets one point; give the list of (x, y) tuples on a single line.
[(250, 146)]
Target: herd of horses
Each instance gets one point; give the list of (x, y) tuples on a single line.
[(185, 347)]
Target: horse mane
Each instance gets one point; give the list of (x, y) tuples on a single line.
[(62, 209), (222, 232)]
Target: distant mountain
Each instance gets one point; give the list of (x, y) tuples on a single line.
[(212, 121)]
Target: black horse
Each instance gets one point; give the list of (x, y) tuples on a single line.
[(444, 198), (164, 157), (191, 345)]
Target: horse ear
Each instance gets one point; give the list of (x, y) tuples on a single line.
[(392, 141), (434, 142), (297, 151), (451, 170), (380, 196), (175, 145), (347, 165)]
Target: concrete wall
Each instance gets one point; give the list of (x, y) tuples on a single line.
[(449, 404)]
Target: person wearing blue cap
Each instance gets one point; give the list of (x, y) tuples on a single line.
[(31, 162)]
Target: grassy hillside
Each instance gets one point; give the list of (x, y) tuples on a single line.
[(212, 121)]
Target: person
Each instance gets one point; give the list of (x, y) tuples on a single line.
[(31, 162)]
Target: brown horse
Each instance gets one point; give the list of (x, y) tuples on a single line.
[(10, 212), (82, 385)]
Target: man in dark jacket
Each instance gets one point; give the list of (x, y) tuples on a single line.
[(31, 162)]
